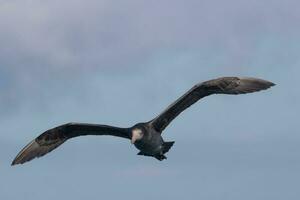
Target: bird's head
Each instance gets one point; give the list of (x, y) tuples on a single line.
[(136, 135)]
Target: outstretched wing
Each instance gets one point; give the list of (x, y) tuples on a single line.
[(225, 85), (52, 138)]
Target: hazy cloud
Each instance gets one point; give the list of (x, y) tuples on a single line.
[(120, 62)]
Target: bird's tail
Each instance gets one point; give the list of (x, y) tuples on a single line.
[(167, 146)]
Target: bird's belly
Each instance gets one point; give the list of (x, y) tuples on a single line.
[(149, 148)]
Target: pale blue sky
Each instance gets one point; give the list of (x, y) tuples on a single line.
[(122, 62)]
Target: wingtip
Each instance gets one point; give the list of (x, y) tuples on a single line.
[(14, 163), (269, 84), (34, 150), (255, 84), (22, 157)]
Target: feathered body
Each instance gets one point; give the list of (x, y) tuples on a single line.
[(147, 137)]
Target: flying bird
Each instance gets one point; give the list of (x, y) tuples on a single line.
[(146, 137)]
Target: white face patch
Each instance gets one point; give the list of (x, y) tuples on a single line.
[(137, 134)]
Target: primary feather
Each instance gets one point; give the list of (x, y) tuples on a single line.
[(225, 85), (53, 138), (149, 140)]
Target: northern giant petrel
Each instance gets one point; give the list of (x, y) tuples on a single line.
[(145, 136)]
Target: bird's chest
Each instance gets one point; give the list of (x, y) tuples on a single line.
[(150, 144)]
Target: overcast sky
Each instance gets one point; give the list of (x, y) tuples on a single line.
[(120, 62)]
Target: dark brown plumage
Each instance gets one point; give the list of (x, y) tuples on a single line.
[(226, 85), (145, 136), (53, 138)]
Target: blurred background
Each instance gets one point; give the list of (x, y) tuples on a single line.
[(121, 62)]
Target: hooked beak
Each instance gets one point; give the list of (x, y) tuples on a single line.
[(134, 138), (136, 135)]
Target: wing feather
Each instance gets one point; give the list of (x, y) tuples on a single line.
[(225, 85), (51, 139)]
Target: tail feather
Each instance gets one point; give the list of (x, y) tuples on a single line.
[(160, 157), (167, 146)]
